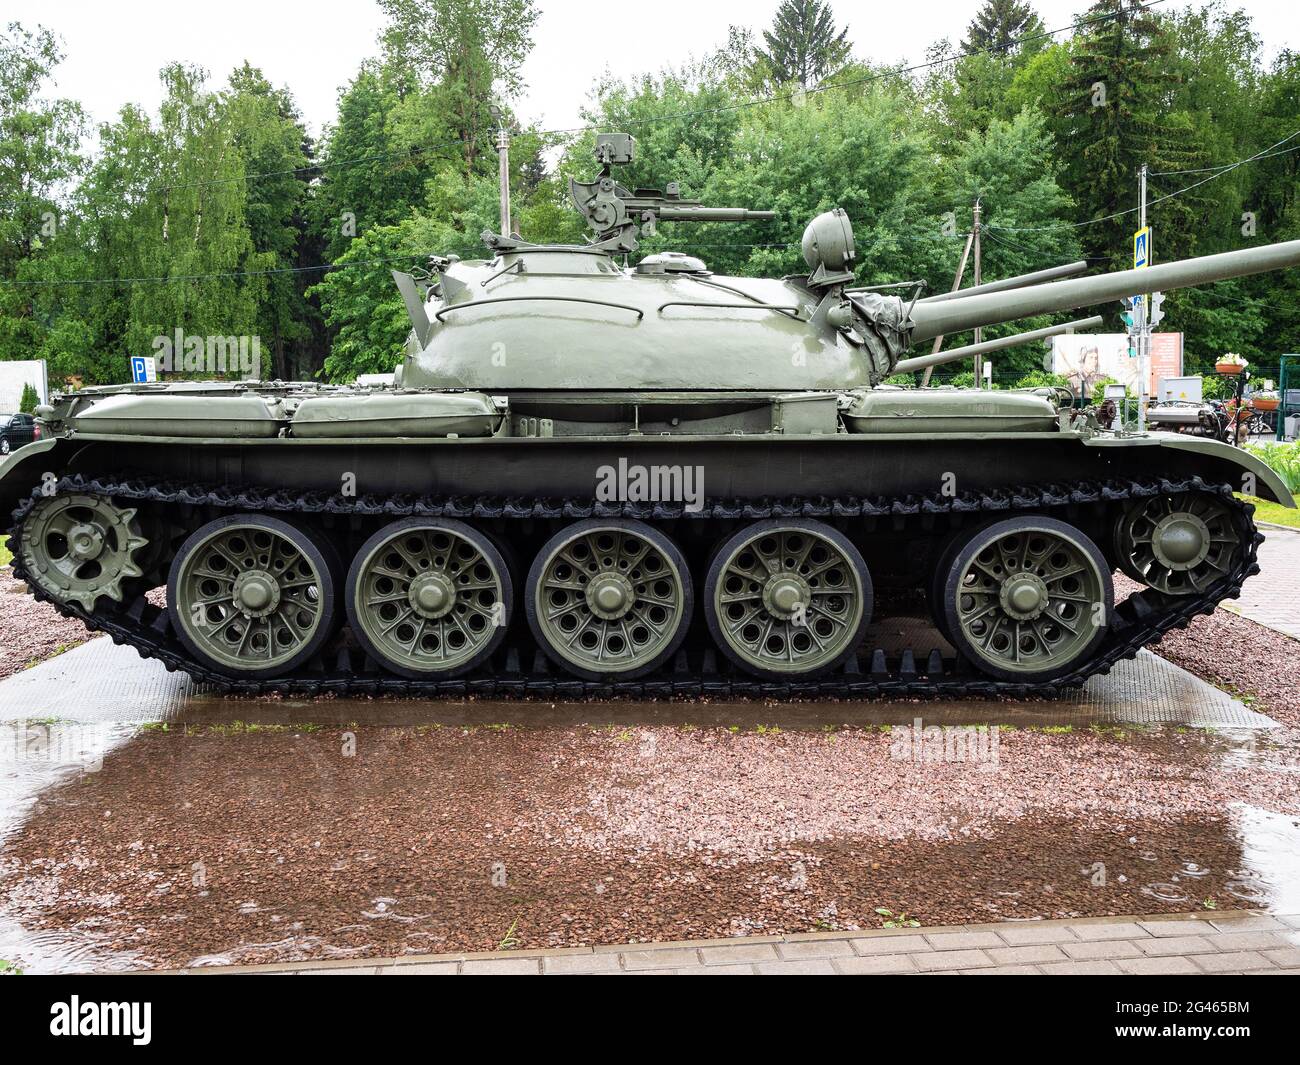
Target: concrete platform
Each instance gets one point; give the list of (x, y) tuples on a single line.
[(1272, 597), (104, 683), (1192, 944)]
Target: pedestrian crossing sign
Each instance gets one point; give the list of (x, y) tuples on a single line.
[(1142, 248)]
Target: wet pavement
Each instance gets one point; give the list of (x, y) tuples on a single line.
[(1227, 943), (1272, 597)]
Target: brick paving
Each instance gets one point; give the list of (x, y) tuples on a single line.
[(1272, 596), (1231, 942)]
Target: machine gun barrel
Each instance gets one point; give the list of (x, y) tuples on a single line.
[(957, 354), (931, 319), (1052, 273), (711, 214)]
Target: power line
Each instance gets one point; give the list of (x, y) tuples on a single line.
[(216, 275), (1228, 168)]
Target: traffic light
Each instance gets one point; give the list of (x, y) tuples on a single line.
[(1157, 303)]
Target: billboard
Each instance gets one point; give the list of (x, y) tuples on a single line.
[(13, 375), (1089, 358)]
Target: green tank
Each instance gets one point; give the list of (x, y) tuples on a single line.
[(595, 478)]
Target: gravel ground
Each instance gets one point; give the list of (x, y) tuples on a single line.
[(261, 846), (30, 631)]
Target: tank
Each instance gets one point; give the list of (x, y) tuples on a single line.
[(593, 475)]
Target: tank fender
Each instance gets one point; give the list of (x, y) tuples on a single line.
[(1216, 460), (22, 471), (1268, 485)]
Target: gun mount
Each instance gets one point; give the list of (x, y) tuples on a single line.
[(617, 213)]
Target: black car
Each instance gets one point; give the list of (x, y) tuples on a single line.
[(16, 430)]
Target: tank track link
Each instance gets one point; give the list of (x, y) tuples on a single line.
[(520, 670)]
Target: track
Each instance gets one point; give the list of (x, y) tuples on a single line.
[(519, 669)]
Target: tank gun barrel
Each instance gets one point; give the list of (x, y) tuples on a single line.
[(711, 214), (921, 362), (1052, 273), (931, 319)]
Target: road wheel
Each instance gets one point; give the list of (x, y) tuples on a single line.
[(253, 596), (1027, 598), (788, 598), (1179, 545), (609, 598), (429, 597)]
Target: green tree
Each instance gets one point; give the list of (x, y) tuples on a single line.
[(999, 25), (29, 400), (804, 44)]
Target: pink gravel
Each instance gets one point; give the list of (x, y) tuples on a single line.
[(31, 632)]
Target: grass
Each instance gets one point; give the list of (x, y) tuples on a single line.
[(1275, 513), (6, 556)]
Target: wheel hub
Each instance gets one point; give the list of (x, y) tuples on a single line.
[(784, 594), (256, 593), (432, 595), (610, 595), (86, 541), (1181, 541), (1024, 596)]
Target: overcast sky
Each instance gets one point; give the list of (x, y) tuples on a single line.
[(115, 49)]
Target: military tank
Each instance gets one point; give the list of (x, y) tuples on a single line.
[(594, 478)]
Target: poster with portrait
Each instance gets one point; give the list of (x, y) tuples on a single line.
[(1090, 358)]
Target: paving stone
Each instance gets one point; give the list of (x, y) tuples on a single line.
[(1284, 956), (1177, 927), (818, 948), (806, 967), (964, 940), (740, 953), (951, 959), (581, 963), (669, 958), (1231, 961), (1248, 923), (1080, 968), (876, 963), (1030, 954), (502, 967), (889, 944), (429, 968), (1103, 949), (1027, 934), (359, 970), (1171, 966), (1292, 920), (1162, 948), (1091, 933), (1249, 941), (713, 970), (1001, 970)]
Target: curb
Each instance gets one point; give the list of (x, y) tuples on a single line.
[(456, 959)]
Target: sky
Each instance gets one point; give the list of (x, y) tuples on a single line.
[(114, 50)]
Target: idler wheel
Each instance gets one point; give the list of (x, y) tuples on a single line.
[(81, 548), (253, 596), (1027, 598), (609, 598), (1180, 544), (429, 597), (788, 597)]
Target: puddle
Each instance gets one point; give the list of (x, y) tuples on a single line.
[(36, 756)]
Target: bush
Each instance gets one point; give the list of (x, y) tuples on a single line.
[(1283, 459), (31, 398)]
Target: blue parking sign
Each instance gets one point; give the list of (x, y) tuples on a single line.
[(143, 369)]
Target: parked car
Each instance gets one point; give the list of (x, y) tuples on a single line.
[(17, 430)]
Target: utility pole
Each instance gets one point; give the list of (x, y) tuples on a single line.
[(1144, 321), (503, 155), (979, 332), (956, 284)]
